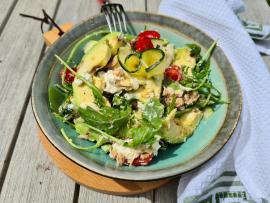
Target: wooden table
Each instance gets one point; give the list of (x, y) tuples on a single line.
[(27, 173)]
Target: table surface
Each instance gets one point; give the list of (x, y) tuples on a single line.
[(27, 173)]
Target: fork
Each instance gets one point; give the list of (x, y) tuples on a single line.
[(115, 15)]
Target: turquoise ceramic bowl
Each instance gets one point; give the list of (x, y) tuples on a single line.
[(207, 140)]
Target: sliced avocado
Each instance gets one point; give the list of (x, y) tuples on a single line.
[(89, 46), (96, 57), (151, 88), (183, 58), (114, 40), (83, 95), (177, 130)]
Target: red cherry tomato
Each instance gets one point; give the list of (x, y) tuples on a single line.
[(142, 162), (143, 43), (150, 34), (173, 72), (69, 77)]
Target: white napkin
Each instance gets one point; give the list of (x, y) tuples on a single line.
[(241, 170)]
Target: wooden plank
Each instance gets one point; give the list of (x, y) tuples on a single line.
[(41, 180), (32, 177), (6, 8), (152, 5), (87, 195), (258, 11), (70, 11), (20, 47), (132, 5), (167, 193)]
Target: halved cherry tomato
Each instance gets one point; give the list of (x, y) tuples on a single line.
[(150, 34), (142, 162), (173, 72), (143, 43), (69, 77)]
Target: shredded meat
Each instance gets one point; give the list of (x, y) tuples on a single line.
[(191, 97), (181, 98), (120, 159)]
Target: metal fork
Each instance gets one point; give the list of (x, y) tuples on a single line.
[(115, 15)]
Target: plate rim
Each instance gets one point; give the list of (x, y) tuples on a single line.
[(67, 154)]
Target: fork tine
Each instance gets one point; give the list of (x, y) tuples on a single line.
[(118, 19), (107, 17), (122, 13), (115, 14), (112, 16)]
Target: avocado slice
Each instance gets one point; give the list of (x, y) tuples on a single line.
[(83, 95), (177, 130), (183, 58), (150, 88), (97, 57), (114, 41)]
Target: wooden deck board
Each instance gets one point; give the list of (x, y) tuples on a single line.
[(6, 8), (32, 176), (20, 48)]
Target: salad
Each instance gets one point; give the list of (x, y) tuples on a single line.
[(133, 95)]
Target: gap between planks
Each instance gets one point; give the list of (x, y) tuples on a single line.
[(24, 107), (6, 18)]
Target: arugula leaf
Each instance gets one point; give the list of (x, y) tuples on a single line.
[(117, 100), (141, 135), (195, 51), (108, 119), (56, 98), (81, 128), (63, 119), (205, 60), (171, 106), (76, 146), (153, 112)]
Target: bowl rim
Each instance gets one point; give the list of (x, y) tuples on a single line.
[(129, 175)]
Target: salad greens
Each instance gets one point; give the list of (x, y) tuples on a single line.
[(133, 95)]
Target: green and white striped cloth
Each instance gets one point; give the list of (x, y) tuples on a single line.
[(256, 31), (226, 188)]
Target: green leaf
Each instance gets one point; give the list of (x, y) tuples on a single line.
[(195, 51), (171, 106), (81, 128), (205, 60), (108, 119), (109, 137), (153, 112), (56, 98), (141, 135), (70, 141)]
